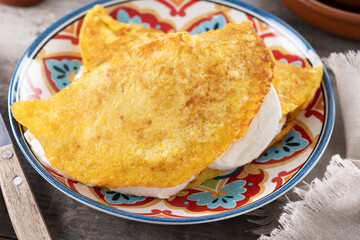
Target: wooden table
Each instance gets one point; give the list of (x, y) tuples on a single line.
[(68, 219)]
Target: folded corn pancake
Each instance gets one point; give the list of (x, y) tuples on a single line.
[(157, 114), (295, 85), (101, 36)]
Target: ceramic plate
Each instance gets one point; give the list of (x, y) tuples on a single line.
[(53, 59)]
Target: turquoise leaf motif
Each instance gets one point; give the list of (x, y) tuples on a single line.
[(216, 22), (122, 16), (233, 193), (117, 198), (63, 72), (292, 142), (297, 63)]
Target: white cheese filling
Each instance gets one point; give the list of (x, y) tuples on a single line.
[(266, 124), (264, 127), (153, 191)]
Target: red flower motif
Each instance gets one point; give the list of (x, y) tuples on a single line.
[(181, 11), (289, 58)]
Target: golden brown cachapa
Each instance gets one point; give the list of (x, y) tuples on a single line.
[(157, 114), (288, 77), (295, 86), (101, 36)]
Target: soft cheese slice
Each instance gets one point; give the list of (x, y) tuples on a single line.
[(158, 114), (263, 129), (101, 36)]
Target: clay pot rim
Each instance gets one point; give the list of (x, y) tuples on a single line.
[(332, 12), (20, 3)]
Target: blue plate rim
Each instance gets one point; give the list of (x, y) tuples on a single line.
[(305, 169)]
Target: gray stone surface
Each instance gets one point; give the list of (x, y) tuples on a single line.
[(68, 219)]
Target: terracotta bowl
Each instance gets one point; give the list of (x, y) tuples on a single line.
[(326, 17), (20, 2), (353, 4)]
